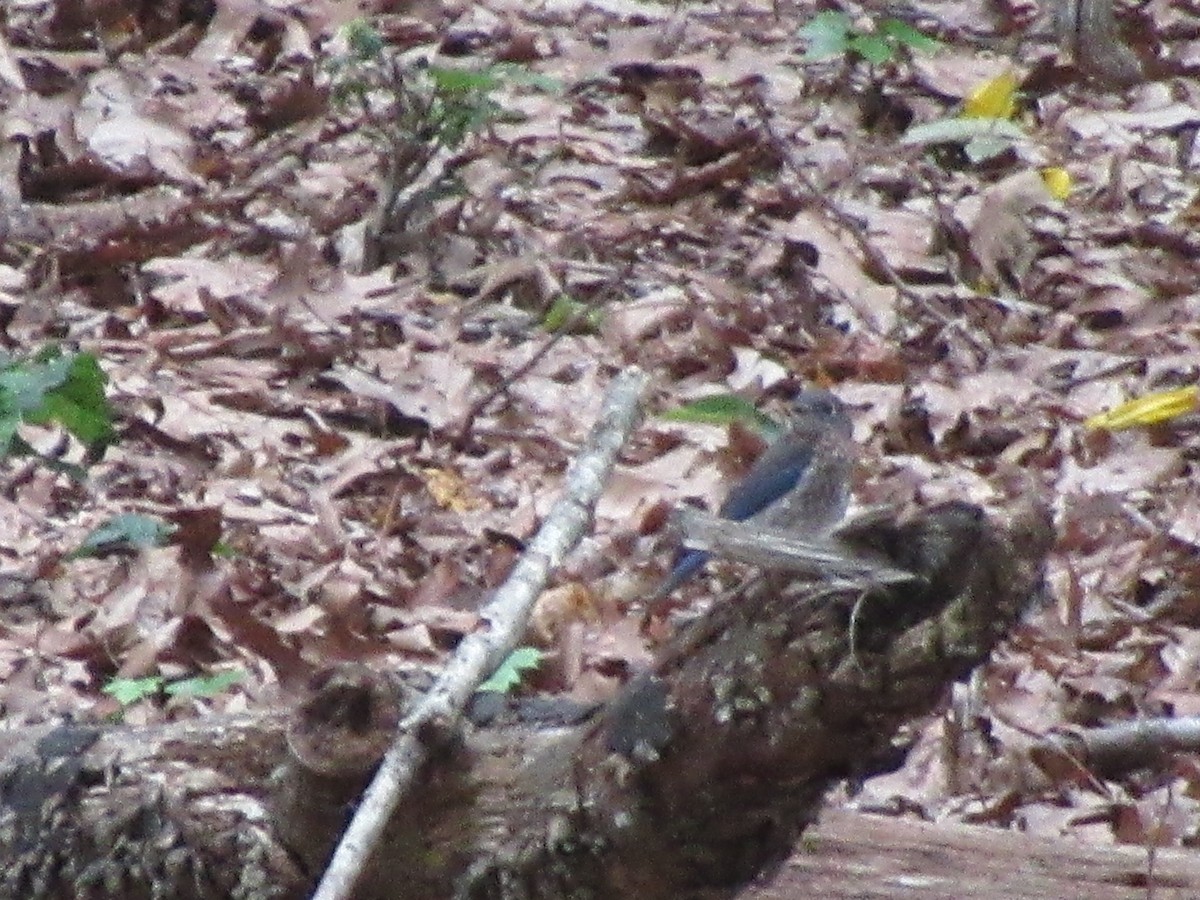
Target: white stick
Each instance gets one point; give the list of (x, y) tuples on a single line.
[(503, 622)]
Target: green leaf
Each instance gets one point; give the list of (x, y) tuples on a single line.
[(981, 149), (204, 685), (87, 423), (566, 311), (9, 420), (461, 102), (908, 36), (463, 81), (509, 675), (721, 409), (514, 73), (53, 388), (959, 130), (93, 420), (224, 550), (126, 531), (363, 40), (874, 48), (827, 34), (79, 404), (26, 383), (128, 691)]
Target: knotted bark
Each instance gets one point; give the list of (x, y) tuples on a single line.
[(697, 778)]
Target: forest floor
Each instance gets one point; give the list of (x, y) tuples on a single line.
[(354, 411)]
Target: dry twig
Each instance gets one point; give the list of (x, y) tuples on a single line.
[(479, 653)]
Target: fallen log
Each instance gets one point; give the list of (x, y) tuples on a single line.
[(866, 857), (698, 778)]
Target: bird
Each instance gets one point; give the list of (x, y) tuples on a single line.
[(801, 482)]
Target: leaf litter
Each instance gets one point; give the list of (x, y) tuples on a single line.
[(355, 452)]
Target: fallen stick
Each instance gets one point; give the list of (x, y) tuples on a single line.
[(504, 619)]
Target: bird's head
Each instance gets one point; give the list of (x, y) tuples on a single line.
[(818, 407)]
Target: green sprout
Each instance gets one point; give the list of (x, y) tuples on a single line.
[(832, 34)]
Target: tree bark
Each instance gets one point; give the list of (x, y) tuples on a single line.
[(698, 778), (852, 855)]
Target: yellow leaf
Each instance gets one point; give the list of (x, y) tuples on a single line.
[(1058, 182), (994, 99), (449, 490), (1149, 410)]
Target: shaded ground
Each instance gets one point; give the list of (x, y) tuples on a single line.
[(184, 198)]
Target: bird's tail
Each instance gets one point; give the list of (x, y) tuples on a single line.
[(687, 564)]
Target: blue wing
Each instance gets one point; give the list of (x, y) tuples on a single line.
[(776, 473), (818, 418)]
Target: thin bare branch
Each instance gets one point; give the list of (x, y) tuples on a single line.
[(479, 654)]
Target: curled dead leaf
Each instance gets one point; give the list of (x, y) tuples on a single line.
[(559, 607), (1001, 237), (450, 491)]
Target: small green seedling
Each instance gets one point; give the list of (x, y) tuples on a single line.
[(128, 691), (407, 99), (568, 313), (832, 34), (52, 388), (418, 112)]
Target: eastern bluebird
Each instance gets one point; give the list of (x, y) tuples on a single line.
[(800, 483)]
